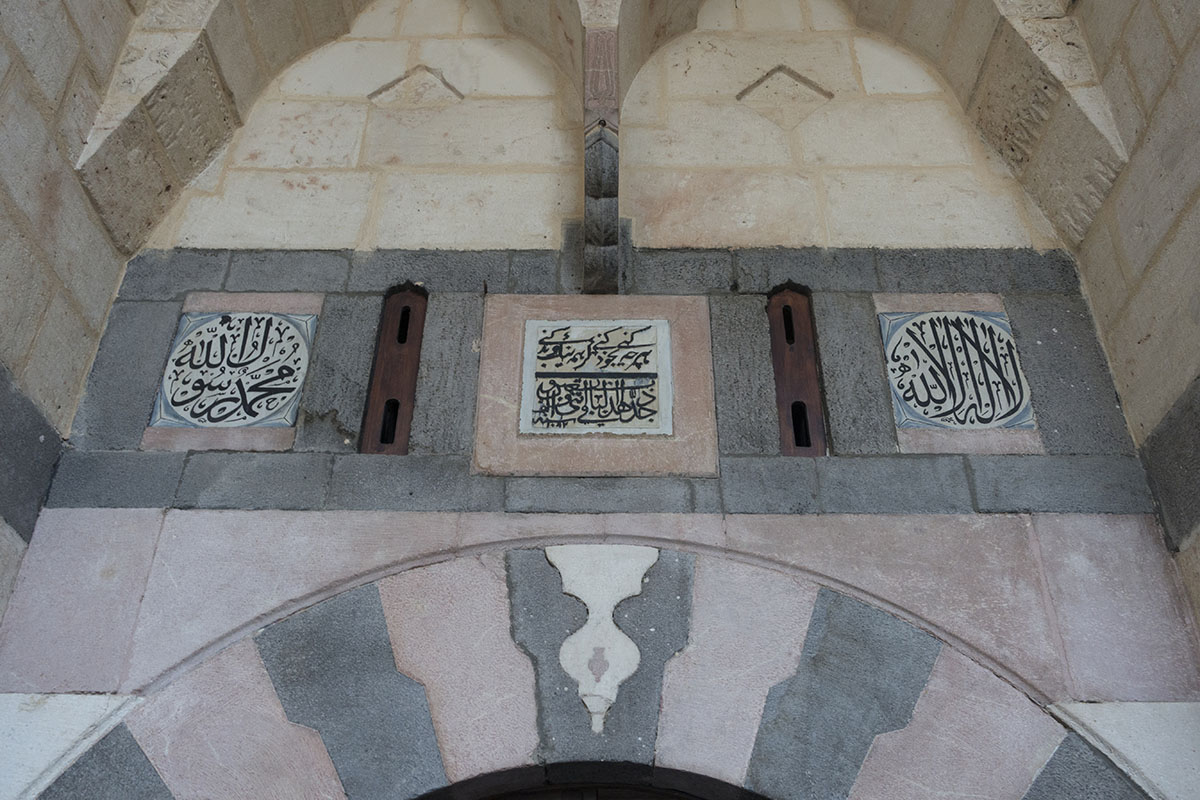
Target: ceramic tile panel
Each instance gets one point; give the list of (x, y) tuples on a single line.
[(234, 370), (596, 376), (955, 370)]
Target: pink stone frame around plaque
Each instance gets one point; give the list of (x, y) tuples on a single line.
[(500, 448)]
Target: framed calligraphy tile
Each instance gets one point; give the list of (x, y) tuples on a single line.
[(597, 376), (235, 370), (605, 385), (955, 370)]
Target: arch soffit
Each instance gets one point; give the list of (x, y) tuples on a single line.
[(1016, 65)]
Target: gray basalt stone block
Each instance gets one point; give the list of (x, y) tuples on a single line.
[(122, 479), (679, 272), (436, 270), (999, 270), (121, 388), (599, 495), (339, 371), (28, 454), (861, 672), (894, 485), (543, 617), (293, 481), (447, 381), (170, 274), (1077, 771), (847, 269), (1074, 399), (288, 271), (1172, 457), (747, 419), (534, 272), (412, 483), (770, 485), (115, 768), (860, 417), (1065, 484), (334, 672)]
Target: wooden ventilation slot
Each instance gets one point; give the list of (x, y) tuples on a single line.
[(797, 386), (388, 420)]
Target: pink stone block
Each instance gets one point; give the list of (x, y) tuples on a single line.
[(263, 302), (72, 614), (500, 449), (527, 530), (904, 303), (971, 735), (748, 627), (986, 440), (253, 439), (449, 625), (219, 731), (973, 579), (218, 574), (666, 530), (1120, 607)]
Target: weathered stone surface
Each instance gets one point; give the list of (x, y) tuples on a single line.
[(598, 495), (747, 419), (841, 269), (1078, 770), (289, 271), (447, 380), (31, 449), (1172, 458), (71, 617), (254, 480), (1067, 372), (964, 711), (435, 270), (333, 670), (412, 483), (191, 111), (120, 392), (856, 391), (12, 550), (681, 271), (1015, 96), (708, 721), (1082, 484), (769, 485), (219, 731), (169, 274), (120, 479), (335, 395), (860, 675), (229, 39), (480, 685), (115, 769), (657, 620), (278, 31), (864, 485), (26, 290), (534, 272)]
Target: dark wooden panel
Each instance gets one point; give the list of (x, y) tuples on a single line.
[(388, 420), (797, 382)]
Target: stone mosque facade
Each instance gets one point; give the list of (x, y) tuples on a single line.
[(607, 399)]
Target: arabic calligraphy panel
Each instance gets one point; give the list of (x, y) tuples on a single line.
[(231, 370), (955, 369), (597, 376)]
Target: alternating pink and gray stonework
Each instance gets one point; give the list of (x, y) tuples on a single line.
[(852, 701)]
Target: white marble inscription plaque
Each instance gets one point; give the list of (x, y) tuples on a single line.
[(955, 369), (231, 370), (596, 376)]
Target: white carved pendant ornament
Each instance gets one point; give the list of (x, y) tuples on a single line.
[(598, 656)]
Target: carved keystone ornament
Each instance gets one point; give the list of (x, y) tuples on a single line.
[(598, 656)]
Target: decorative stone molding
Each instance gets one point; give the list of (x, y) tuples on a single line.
[(598, 656)]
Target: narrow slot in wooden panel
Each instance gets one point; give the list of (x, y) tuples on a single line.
[(797, 382), (388, 421)]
